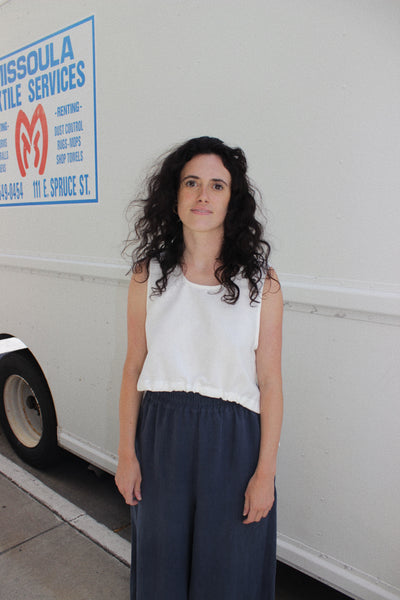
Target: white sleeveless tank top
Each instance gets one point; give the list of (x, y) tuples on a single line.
[(198, 343)]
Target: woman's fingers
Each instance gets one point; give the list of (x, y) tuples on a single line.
[(128, 479), (259, 498), (137, 494), (254, 511), (255, 516), (246, 507)]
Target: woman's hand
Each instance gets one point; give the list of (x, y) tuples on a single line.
[(128, 479), (258, 498)]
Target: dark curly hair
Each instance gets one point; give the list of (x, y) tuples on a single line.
[(157, 233)]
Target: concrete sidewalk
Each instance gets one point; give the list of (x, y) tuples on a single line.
[(50, 549)]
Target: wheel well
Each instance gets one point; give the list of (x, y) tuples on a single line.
[(4, 336)]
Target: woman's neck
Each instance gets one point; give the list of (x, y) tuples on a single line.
[(200, 257)]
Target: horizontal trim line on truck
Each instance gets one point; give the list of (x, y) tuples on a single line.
[(86, 268), (87, 451), (339, 575), (344, 299)]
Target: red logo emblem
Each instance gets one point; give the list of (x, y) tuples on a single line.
[(31, 135)]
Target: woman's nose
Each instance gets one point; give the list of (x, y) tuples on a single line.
[(203, 194)]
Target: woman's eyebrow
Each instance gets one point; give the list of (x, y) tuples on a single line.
[(190, 177), (221, 180), (216, 179)]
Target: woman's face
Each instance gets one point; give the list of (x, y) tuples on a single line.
[(204, 193)]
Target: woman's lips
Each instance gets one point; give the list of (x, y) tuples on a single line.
[(201, 211)]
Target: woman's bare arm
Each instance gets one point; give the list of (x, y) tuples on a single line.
[(128, 476), (259, 496)]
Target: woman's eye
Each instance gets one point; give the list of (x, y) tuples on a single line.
[(190, 183), (218, 186)]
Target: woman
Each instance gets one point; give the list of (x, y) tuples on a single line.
[(197, 455)]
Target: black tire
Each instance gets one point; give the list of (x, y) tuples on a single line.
[(27, 412)]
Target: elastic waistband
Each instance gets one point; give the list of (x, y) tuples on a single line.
[(192, 401)]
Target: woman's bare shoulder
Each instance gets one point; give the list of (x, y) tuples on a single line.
[(272, 284), (140, 272)]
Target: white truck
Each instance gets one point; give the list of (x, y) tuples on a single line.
[(91, 92)]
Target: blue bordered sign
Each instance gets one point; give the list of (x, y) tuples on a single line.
[(48, 146)]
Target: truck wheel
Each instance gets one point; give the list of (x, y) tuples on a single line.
[(27, 411)]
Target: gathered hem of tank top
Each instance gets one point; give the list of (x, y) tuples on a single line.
[(251, 404)]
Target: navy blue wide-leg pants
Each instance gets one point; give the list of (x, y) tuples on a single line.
[(197, 455)]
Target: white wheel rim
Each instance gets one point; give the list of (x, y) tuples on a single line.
[(23, 411)]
